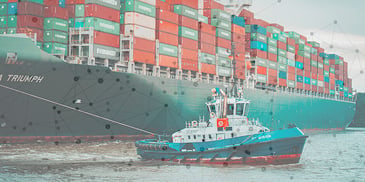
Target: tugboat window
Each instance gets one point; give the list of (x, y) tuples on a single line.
[(194, 136), (212, 108), (232, 135), (189, 137), (230, 109), (210, 136), (239, 109), (246, 108)]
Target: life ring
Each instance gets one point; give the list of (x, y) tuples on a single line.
[(194, 123), (212, 115)]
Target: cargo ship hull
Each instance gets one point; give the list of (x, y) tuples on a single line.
[(78, 102)]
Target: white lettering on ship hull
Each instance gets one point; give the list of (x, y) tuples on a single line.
[(23, 78)]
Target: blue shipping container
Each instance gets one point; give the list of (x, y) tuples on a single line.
[(299, 65), (237, 20), (299, 78), (62, 3), (282, 75), (258, 45), (258, 29), (79, 23), (323, 55), (339, 82), (12, 8), (307, 80), (333, 56), (327, 79)]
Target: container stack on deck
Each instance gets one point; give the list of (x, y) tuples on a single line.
[(199, 38)]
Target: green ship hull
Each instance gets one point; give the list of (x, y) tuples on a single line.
[(44, 98)]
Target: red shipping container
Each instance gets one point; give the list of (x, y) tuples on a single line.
[(273, 80), (299, 85), (277, 26), (260, 22), (258, 53), (299, 71), (238, 38), (314, 88), (320, 77), (319, 59), (248, 36), (240, 57), (314, 69), (95, 10), (30, 8), (304, 38), (206, 28), (314, 76), (272, 72), (12, 1), (167, 38), (272, 57), (168, 61), (207, 48), (108, 39), (74, 1), (189, 3), (290, 41), (320, 89), (306, 61), (307, 74), (223, 43), (207, 38), (291, 76), (188, 43), (327, 91), (238, 29), (50, 2), (189, 65), (332, 81), (144, 57), (162, 5), (326, 67), (314, 57), (261, 70), (27, 30), (167, 16), (291, 69), (29, 21), (307, 68), (332, 87), (299, 58), (208, 68), (307, 87), (246, 13), (282, 45), (212, 4), (240, 70), (282, 82), (56, 12), (143, 44), (189, 54), (332, 75), (71, 10), (164, 26), (188, 22), (240, 48)]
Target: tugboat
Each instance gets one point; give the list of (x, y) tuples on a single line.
[(228, 137)]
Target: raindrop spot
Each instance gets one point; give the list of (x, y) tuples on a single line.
[(133, 89), (225, 164), (187, 166), (56, 142), (107, 126), (100, 80), (117, 80), (166, 105), (247, 152), (76, 78), (263, 169), (78, 141)]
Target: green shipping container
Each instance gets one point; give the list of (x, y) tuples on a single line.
[(291, 83), (55, 48), (282, 60), (305, 48), (299, 79), (102, 25), (225, 62), (345, 89), (332, 70), (304, 54), (259, 37), (314, 51), (113, 4), (203, 19), (338, 61), (2, 31), (314, 63), (261, 78), (326, 73), (34, 1), (248, 28), (314, 82), (272, 50), (122, 18), (294, 35), (12, 21), (320, 65), (3, 9), (326, 61), (260, 62), (40, 45), (272, 65), (272, 42), (223, 52), (272, 29), (307, 80), (71, 22), (314, 44), (341, 87), (55, 24), (223, 71), (55, 36), (79, 10), (220, 14), (221, 24), (188, 33), (186, 11), (223, 34), (207, 58), (332, 92), (281, 53), (282, 67), (291, 62), (168, 50), (290, 48), (11, 31), (3, 21), (141, 7), (279, 37)]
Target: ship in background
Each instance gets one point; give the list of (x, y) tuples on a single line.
[(131, 68)]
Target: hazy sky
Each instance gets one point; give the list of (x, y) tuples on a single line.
[(346, 37)]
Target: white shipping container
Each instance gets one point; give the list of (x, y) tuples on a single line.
[(320, 84), (152, 2), (139, 31), (139, 19), (290, 55)]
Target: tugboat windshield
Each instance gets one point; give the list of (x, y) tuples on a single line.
[(230, 109), (239, 109), (212, 108)]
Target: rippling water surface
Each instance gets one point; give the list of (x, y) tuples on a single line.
[(327, 157)]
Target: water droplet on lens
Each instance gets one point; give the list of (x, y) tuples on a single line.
[(263, 169)]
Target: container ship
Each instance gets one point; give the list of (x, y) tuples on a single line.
[(80, 70)]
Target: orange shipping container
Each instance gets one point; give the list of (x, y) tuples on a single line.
[(291, 76), (188, 43), (95, 10), (238, 38), (106, 39), (207, 38), (238, 29), (167, 38), (144, 44), (207, 48), (261, 70), (144, 57), (273, 73), (168, 61), (167, 16), (189, 3), (208, 68), (273, 80), (291, 69), (189, 54), (223, 43), (188, 22), (162, 5), (282, 82), (189, 65), (206, 28), (164, 26)]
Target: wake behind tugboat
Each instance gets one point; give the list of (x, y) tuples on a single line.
[(227, 138)]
